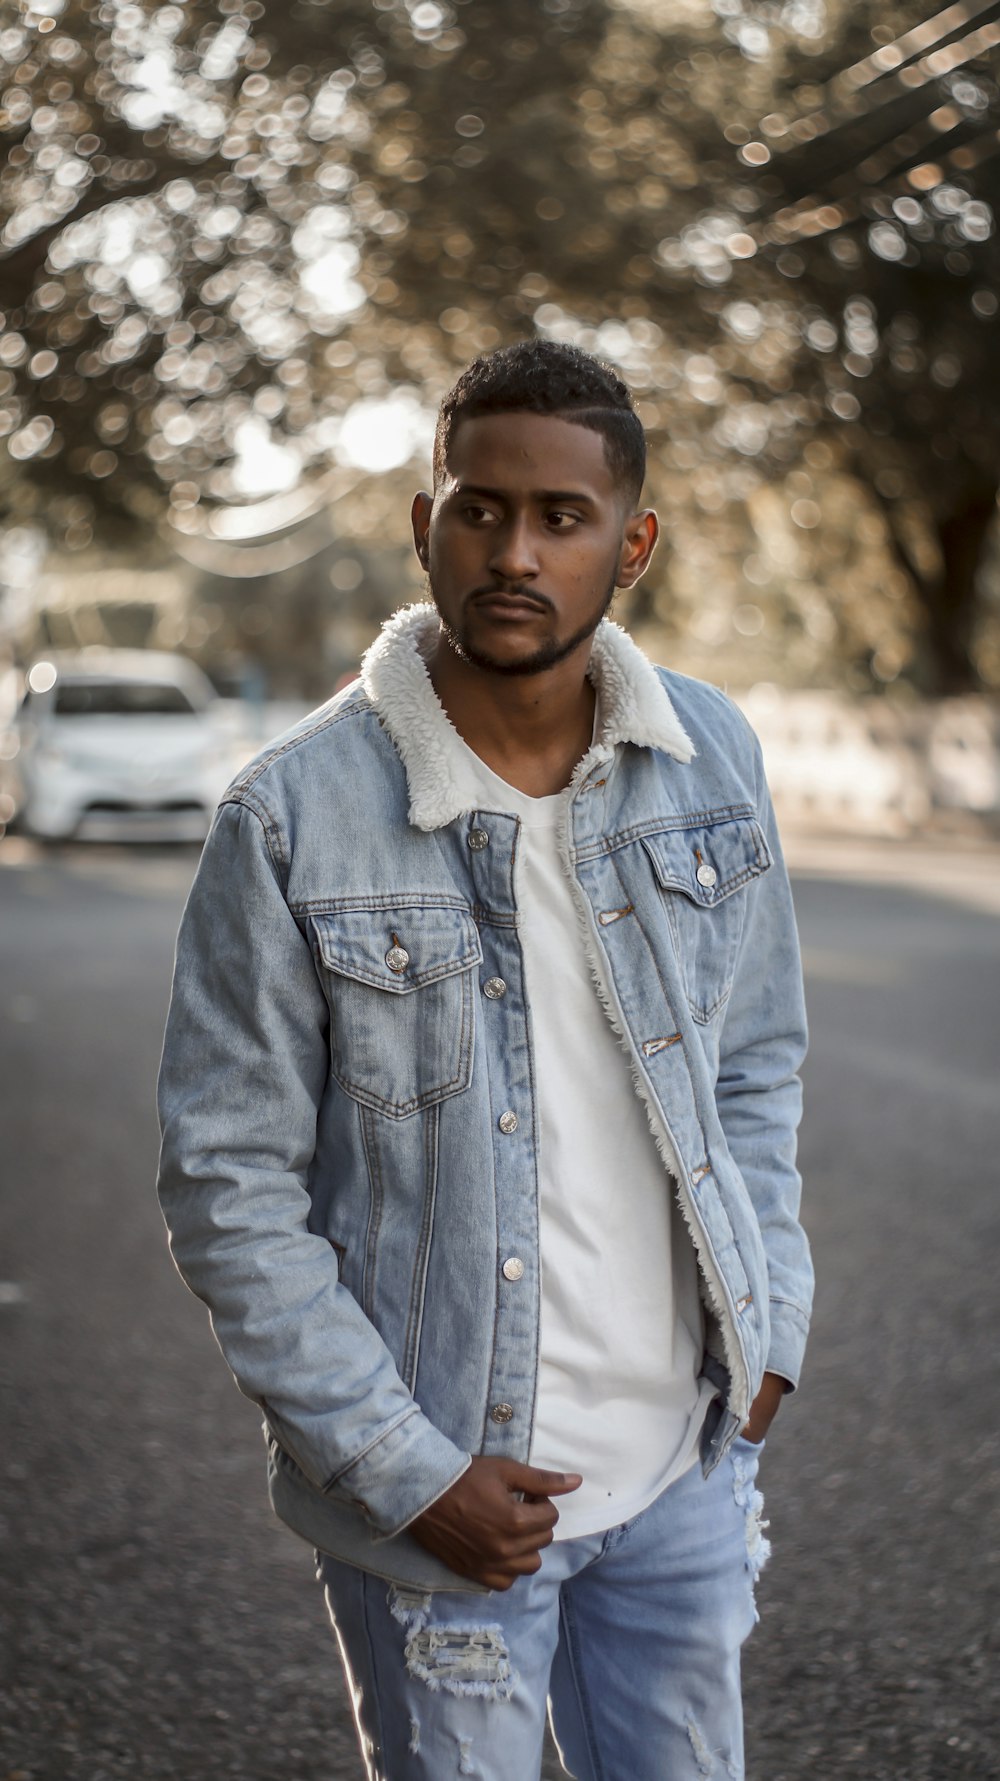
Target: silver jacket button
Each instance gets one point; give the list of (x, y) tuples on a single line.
[(507, 1123), (513, 1268), (502, 1413), (397, 959), (494, 987), (706, 875), (478, 839)]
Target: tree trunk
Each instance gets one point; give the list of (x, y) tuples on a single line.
[(950, 601)]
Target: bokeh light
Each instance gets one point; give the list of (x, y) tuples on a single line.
[(245, 254), (41, 677)]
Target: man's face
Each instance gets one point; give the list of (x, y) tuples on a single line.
[(526, 539)]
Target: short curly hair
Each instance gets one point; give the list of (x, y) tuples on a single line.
[(548, 377)]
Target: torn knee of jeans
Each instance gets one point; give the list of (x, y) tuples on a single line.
[(464, 1660), (705, 1757), (750, 1500), (702, 1754)]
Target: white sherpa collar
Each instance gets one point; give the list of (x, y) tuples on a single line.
[(634, 707)]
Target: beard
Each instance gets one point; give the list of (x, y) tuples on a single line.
[(547, 655)]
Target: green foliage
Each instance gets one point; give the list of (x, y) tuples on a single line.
[(778, 219)]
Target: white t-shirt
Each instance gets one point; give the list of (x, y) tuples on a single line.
[(622, 1328)]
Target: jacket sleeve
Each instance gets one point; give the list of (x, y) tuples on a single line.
[(244, 1068), (759, 1095)]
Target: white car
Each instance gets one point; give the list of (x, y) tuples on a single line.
[(117, 745)]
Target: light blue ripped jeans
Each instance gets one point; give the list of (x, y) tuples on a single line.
[(633, 1636)]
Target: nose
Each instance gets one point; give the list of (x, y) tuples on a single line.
[(514, 556)]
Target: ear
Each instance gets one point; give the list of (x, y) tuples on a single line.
[(641, 532), (420, 518)]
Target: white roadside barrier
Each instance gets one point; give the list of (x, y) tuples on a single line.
[(868, 766)]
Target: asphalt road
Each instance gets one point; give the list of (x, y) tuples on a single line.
[(157, 1623)]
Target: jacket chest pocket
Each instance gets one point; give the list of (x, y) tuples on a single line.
[(704, 872), (400, 984)]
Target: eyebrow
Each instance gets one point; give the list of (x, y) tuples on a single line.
[(545, 497)]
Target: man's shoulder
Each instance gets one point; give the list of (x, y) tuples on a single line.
[(710, 716), (341, 730)]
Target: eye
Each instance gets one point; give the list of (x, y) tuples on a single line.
[(559, 520), (476, 513)]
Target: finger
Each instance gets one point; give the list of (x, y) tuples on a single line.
[(515, 1541), (536, 1482), (521, 1541), (505, 1575), (534, 1519)]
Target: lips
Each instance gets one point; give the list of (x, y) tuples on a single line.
[(508, 605)]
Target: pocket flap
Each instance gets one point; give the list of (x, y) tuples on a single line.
[(710, 860), (398, 949)]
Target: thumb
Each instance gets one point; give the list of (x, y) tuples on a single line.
[(535, 1482)]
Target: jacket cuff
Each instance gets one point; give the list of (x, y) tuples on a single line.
[(789, 1329), (402, 1474)]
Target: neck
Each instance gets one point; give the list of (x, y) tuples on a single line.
[(531, 729)]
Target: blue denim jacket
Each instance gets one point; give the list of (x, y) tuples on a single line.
[(339, 1183)]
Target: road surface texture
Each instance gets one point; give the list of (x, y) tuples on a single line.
[(157, 1623)]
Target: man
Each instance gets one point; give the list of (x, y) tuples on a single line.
[(479, 1101)]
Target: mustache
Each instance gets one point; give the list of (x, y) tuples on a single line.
[(533, 596)]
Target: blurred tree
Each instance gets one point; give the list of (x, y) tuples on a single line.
[(231, 225), (204, 206), (876, 200)]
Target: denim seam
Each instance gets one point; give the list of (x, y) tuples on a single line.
[(720, 892), (374, 1102), (383, 1435), (411, 1346), (380, 900), (667, 1000), (537, 1201), (704, 1016), (664, 825), (621, 1530), (422, 979), (272, 833), (494, 1344), (367, 1583), (494, 918), (713, 1247), (683, 819), (356, 708), (797, 1312), (369, 1138), (573, 1659)]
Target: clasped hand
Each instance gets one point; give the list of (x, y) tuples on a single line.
[(492, 1523)]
